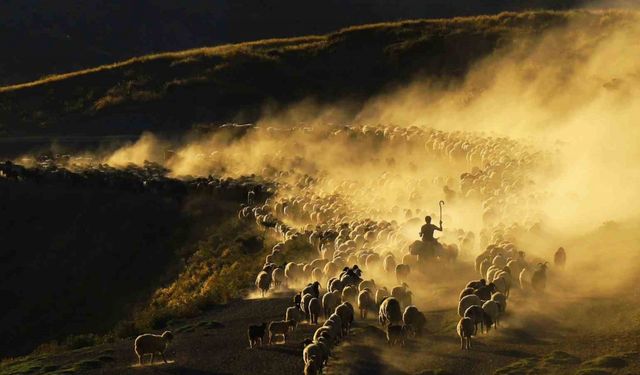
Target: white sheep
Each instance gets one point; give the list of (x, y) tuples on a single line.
[(367, 284), (414, 320), (152, 344), (466, 302), (465, 330), (381, 294), (390, 312), (312, 356), (402, 294), (263, 282), (315, 309), (304, 304)]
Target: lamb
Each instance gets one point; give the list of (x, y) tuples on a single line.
[(492, 309), (467, 302), (381, 294), (256, 334), (402, 272), (152, 344), (465, 330), (396, 334), (414, 320), (315, 309), (294, 313), (330, 301), (365, 303), (263, 282), (280, 328), (389, 311)]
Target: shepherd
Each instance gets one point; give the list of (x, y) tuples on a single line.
[(426, 232)]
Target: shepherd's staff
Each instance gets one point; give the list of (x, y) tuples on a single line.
[(441, 203)]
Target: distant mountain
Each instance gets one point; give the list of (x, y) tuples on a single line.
[(42, 37)]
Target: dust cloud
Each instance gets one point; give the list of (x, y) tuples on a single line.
[(541, 136)]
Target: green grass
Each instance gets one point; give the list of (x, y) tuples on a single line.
[(174, 90)]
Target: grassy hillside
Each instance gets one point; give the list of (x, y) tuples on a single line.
[(48, 37), (82, 251), (171, 91)]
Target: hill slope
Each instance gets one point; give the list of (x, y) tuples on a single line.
[(57, 37), (171, 91)]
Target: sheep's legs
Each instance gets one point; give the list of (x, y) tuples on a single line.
[(151, 359), (162, 355), (462, 343), (139, 360)]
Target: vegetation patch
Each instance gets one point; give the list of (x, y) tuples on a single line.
[(523, 366), (560, 358)]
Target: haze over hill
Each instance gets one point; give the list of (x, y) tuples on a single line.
[(47, 37)]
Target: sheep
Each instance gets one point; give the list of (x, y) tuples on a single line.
[(402, 272), (346, 312), (389, 311), (152, 344), (367, 284), (335, 322), (477, 314), (381, 294), (297, 299), (336, 284), (484, 293), (525, 278), (294, 313), (539, 278), (484, 266), (389, 263), (315, 309), (414, 320), (350, 294), (280, 328), (256, 334), (402, 294), (476, 284), (560, 258), (466, 292), (330, 301), (263, 282), (467, 302), (278, 277), (465, 330), (492, 309), (365, 302), (304, 305), (396, 334), (501, 299), (313, 289), (325, 345), (327, 331), (312, 356)]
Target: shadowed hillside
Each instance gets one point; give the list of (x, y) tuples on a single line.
[(48, 37), (169, 92)]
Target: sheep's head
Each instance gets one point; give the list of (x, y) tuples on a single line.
[(483, 282), (167, 335), (306, 342)]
